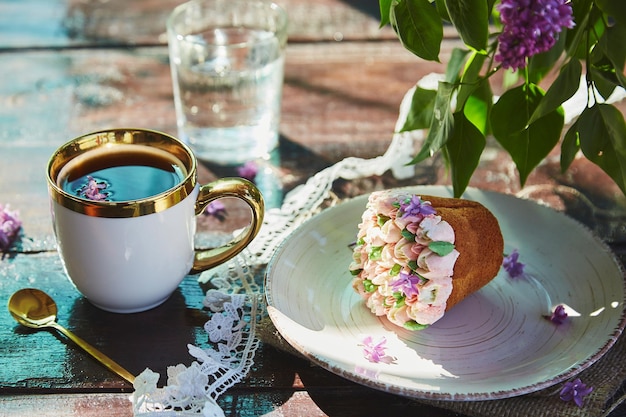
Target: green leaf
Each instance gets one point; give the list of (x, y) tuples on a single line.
[(510, 113), (421, 110), (613, 8), (564, 87), (528, 144), (581, 13), (441, 125), (539, 65), (614, 48), (602, 134), (471, 19), (385, 7), (464, 149), (455, 64), (475, 96), (604, 80), (443, 10), (471, 78), (395, 270), (441, 248), (478, 107), (418, 26), (569, 147), (585, 35)]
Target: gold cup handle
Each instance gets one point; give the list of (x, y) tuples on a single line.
[(229, 187)]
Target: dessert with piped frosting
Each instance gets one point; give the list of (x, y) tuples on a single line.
[(417, 256)]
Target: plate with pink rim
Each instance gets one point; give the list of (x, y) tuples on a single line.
[(495, 344)]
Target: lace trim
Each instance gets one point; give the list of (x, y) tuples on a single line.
[(194, 389)]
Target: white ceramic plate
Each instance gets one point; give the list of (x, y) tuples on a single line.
[(494, 344)]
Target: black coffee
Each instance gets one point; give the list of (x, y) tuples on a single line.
[(131, 173)]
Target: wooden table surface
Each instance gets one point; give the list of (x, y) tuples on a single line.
[(69, 67)]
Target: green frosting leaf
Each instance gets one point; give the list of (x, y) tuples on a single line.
[(413, 325), (441, 248), (369, 285), (408, 235), (400, 297), (375, 253), (382, 219)]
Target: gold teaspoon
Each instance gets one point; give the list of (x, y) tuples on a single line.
[(36, 309)]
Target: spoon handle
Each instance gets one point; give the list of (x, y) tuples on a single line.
[(99, 356)]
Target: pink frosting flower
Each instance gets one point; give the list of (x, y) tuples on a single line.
[(433, 265)]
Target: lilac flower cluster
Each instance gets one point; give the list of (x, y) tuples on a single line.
[(375, 351), (216, 209), (93, 190), (407, 284), (415, 207), (512, 265), (530, 27), (559, 315), (575, 391), (248, 170), (9, 226)]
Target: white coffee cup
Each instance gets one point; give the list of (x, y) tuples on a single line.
[(131, 255)]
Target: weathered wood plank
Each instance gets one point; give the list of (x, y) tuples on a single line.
[(73, 23)]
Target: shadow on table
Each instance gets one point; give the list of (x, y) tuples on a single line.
[(338, 397), (153, 339), (288, 166), (369, 7)]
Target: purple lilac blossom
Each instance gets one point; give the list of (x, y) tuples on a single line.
[(375, 351), (248, 170), (407, 284), (575, 390), (559, 315), (215, 209), (530, 27), (93, 190), (10, 224), (511, 264), (416, 208)]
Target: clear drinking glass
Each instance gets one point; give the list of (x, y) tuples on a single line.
[(227, 59)]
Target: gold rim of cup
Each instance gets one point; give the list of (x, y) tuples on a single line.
[(112, 139)]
